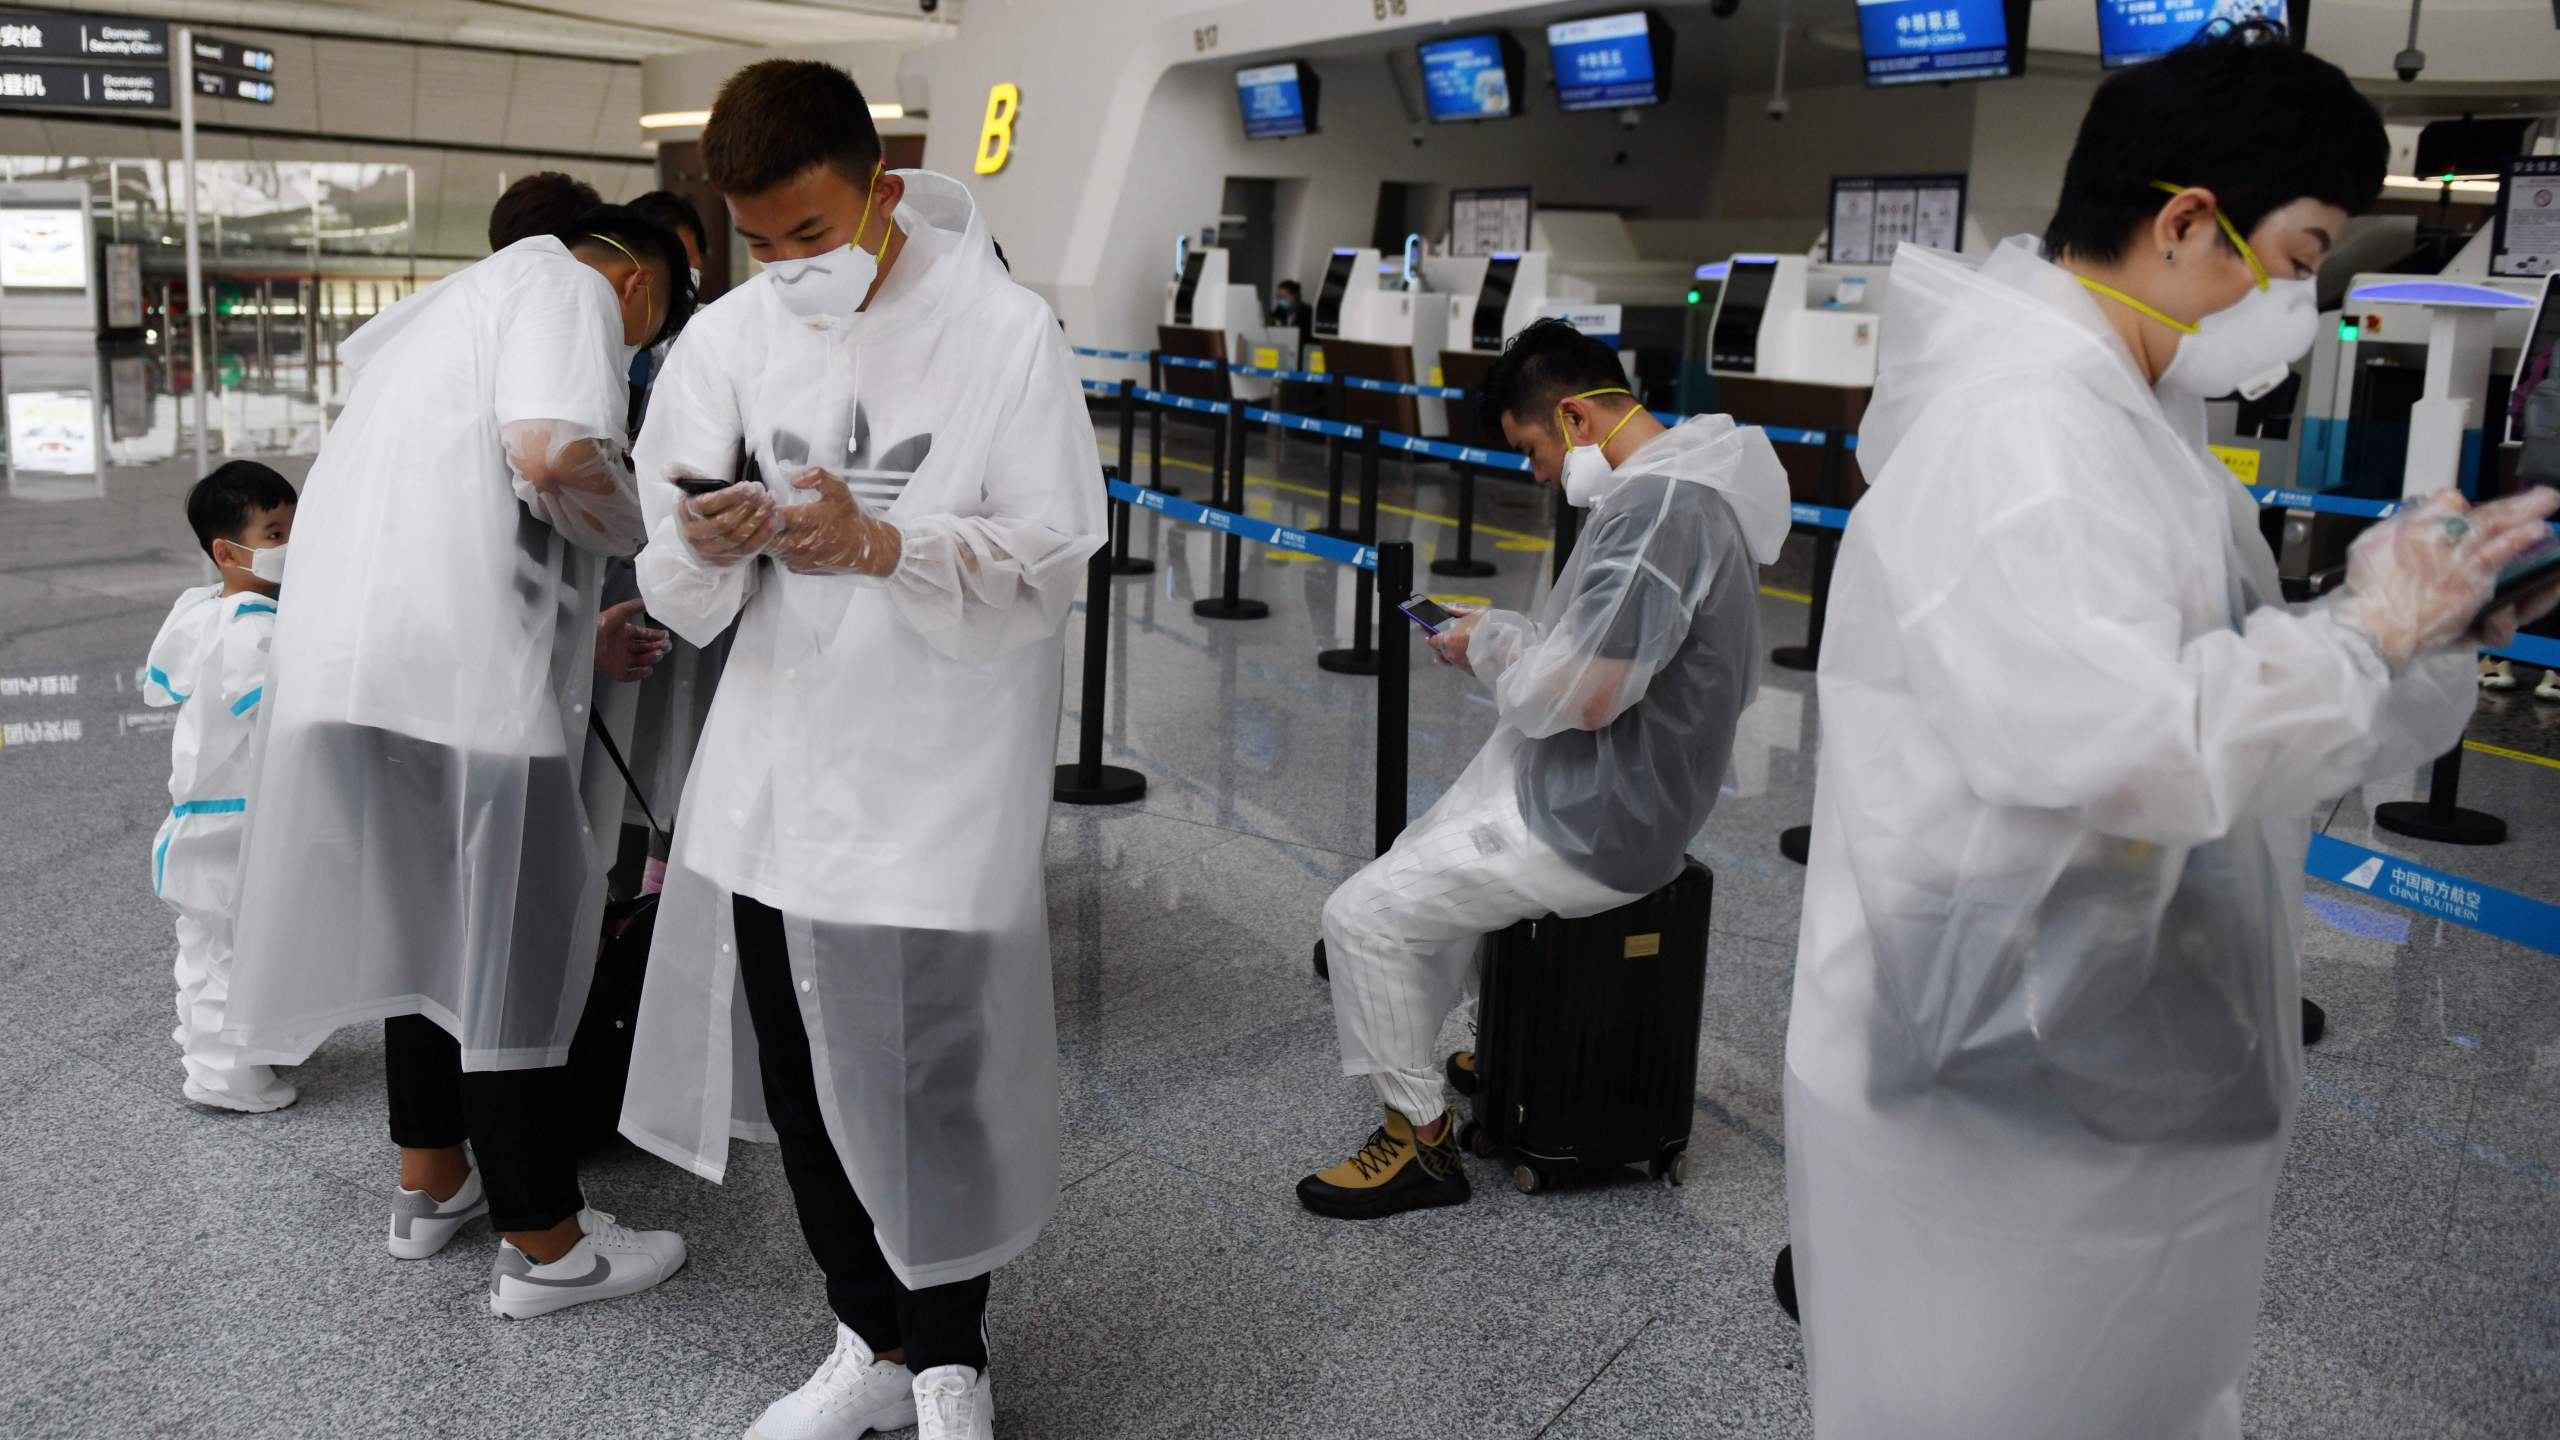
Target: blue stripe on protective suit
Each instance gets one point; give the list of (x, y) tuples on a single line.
[(160, 852), (160, 677), (248, 702)]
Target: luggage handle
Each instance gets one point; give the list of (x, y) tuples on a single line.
[(613, 752)]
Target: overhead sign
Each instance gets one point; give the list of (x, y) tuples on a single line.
[(232, 55), (235, 87), (84, 87), (81, 37)]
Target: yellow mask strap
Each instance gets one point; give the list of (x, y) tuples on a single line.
[(1591, 394), (869, 194), (635, 264), (2121, 298), (2228, 229)]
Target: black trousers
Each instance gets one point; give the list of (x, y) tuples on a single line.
[(521, 1123), (938, 1325)]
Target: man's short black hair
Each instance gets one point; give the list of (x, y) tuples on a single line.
[(221, 505), (1541, 366), (676, 212), (647, 241), (2257, 121), (776, 118), (543, 203)]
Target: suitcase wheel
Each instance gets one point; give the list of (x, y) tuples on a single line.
[(1673, 1167), (1528, 1179), (1471, 1139), (1323, 972)]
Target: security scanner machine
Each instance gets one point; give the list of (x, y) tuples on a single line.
[(1793, 342), (1207, 317), (1372, 330)]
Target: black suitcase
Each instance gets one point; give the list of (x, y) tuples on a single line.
[(1587, 1038)]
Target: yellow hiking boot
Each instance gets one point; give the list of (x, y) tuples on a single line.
[(1389, 1175)]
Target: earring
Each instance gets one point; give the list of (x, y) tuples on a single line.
[(2168, 254)]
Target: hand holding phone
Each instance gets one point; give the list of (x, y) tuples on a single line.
[(701, 484), (1422, 610)]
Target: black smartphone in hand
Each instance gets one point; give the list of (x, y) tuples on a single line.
[(1422, 610), (701, 484)]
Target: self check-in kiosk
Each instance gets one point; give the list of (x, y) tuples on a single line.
[(1375, 331), (1794, 343), (1208, 317)]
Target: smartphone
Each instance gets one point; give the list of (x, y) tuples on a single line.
[(2527, 572), (1427, 613), (701, 484)]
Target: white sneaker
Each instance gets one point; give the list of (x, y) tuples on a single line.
[(954, 1402), (251, 1090), (853, 1394), (2549, 689), (608, 1261), (2497, 674), (421, 1225)]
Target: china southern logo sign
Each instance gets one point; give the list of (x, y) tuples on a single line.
[(2363, 876)]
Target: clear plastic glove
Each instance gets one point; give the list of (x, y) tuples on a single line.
[(727, 526), (833, 534), (626, 652), (1450, 645), (2417, 581)]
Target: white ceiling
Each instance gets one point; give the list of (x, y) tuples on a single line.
[(593, 29)]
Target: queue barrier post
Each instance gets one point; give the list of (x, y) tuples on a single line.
[(1155, 429), (1333, 525), (1395, 675), (1226, 491), (1464, 564), (1087, 781), (2442, 817), (1122, 562), (1361, 657)]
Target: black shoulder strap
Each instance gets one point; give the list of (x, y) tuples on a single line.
[(613, 752)]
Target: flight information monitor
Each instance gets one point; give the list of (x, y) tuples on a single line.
[(1473, 77), (1919, 42), (1610, 62), (2130, 31), (1279, 100)]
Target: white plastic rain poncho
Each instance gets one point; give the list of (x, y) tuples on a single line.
[(2045, 1045), (420, 845), (878, 759), (1618, 703)]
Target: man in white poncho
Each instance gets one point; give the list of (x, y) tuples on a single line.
[(852, 954), (419, 853)]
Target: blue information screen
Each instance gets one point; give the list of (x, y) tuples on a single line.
[(1914, 42), (1604, 62), (1466, 79), (1274, 104), (2132, 30)]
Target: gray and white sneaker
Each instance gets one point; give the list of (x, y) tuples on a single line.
[(955, 1402), (421, 1224), (608, 1261), (854, 1393)]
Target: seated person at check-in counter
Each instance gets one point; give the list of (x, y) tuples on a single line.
[(1617, 704)]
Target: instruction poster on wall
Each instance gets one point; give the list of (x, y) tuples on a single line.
[(53, 432), (1488, 222), (1874, 215), (41, 250), (2527, 241)]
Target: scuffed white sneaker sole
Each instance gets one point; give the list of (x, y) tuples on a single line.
[(272, 1100)]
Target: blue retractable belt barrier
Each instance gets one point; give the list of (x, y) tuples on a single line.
[(1187, 362), (2533, 650), (1297, 377), (1265, 532), (1338, 429), (1456, 454), (2277, 499), (1398, 387), (1824, 517), (1181, 402), (1102, 387), (2429, 891), (1138, 356)]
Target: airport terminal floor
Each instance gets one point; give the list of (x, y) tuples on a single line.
[(172, 1270)]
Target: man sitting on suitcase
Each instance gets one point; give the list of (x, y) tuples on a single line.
[(1617, 704)]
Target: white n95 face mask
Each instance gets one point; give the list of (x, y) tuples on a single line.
[(829, 288), (1586, 468), (268, 564), (2248, 347)]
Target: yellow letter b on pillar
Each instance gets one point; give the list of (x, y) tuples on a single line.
[(995, 142)]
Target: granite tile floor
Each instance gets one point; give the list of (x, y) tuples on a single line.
[(174, 1271)]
